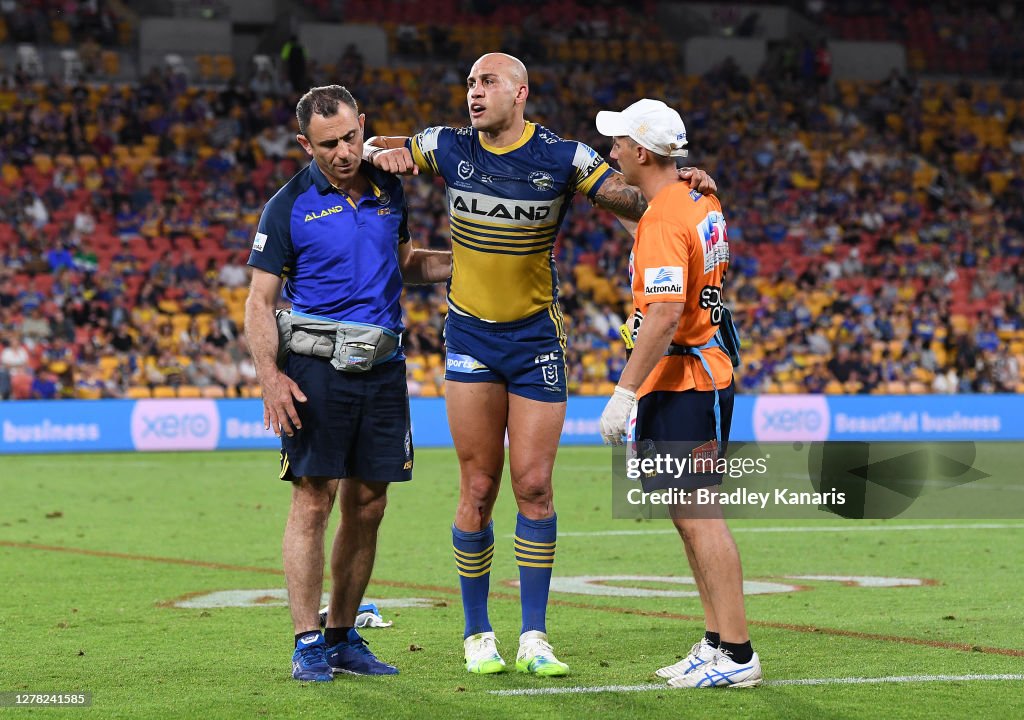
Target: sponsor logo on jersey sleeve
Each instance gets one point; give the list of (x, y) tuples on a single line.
[(586, 160), (714, 240), (259, 242), (428, 139), (663, 281)]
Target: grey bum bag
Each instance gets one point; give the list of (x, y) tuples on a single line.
[(352, 347)]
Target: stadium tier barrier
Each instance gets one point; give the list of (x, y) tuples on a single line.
[(46, 426)]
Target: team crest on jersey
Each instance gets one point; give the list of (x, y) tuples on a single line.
[(465, 170), (542, 181)]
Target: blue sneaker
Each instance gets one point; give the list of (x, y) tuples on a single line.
[(354, 658), (309, 661)]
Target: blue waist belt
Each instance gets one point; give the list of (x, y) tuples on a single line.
[(695, 350)]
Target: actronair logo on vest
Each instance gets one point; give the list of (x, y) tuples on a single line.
[(663, 281)]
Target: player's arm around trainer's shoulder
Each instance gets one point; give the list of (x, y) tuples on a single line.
[(420, 266), (620, 198), (628, 202), (390, 154), (279, 412)]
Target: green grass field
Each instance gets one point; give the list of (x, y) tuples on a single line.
[(95, 551)]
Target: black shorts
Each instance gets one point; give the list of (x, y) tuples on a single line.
[(681, 425), (354, 425)]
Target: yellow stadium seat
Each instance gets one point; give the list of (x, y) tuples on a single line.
[(108, 365), (164, 392), (110, 61), (205, 65), (60, 33), (43, 163), (138, 392), (189, 391), (213, 392), (225, 67), (834, 388)]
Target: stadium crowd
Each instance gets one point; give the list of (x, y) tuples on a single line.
[(876, 229)]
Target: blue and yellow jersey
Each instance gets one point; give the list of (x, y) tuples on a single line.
[(506, 205), (338, 256)]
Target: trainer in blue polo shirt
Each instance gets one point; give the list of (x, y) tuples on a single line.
[(334, 242)]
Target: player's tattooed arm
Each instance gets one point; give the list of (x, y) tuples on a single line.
[(624, 200)]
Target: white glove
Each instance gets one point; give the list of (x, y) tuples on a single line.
[(616, 415)]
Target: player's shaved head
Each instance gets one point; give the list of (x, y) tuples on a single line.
[(507, 66), (497, 88)]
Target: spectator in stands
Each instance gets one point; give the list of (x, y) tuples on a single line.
[(5, 383), (15, 355), (36, 327), (842, 366), (45, 386), (233, 274), (293, 54), (225, 372)]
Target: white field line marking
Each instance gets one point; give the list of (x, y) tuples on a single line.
[(810, 529), (770, 683)]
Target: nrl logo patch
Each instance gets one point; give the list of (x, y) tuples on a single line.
[(465, 170)]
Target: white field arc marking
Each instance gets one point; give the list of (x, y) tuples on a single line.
[(278, 597), (771, 683), (863, 580), (809, 529), (605, 585)]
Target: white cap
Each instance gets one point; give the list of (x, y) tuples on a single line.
[(650, 123)]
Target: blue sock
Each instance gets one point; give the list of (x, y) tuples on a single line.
[(535, 555), (473, 554)]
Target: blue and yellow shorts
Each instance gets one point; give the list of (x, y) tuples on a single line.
[(527, 355)]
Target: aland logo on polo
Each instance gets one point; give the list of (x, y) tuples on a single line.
[(316, 215)]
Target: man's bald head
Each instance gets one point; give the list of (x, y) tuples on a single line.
[(497, 89), (507, 66)]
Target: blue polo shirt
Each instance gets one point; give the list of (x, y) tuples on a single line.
[(338, 256)]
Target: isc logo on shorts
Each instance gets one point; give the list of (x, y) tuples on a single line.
[(663, 281), (464, 363)]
